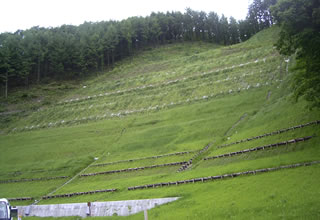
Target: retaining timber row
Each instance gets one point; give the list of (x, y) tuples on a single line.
[(132, 169), (189, 163), (225, 176), (272, 133), (143, 158), (33, 179), (260, 148), (20, 199), (78, 194), (123, 113)]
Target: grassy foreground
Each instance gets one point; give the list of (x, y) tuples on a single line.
[(170, 99)]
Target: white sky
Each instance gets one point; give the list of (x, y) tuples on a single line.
[(24, 14)]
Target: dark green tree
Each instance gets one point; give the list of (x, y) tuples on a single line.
[(245, 31), (177, 25), (224, 30), (189, 25), (300, 34), (37, 39), (13, 64), (154, 30), (234, 31), (213, 23), (259, 15)]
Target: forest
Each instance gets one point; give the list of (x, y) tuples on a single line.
[(39, 54)]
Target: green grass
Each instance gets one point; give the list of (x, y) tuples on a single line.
[(67, 148), (33, 189), (289, 194)]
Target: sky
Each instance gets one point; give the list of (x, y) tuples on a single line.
[(24, 14)]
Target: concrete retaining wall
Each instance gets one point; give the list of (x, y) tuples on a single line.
[(120, 208)]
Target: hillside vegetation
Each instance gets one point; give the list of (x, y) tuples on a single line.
[(169, 104), (39, 54)]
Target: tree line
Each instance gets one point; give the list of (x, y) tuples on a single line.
[(66, 52)]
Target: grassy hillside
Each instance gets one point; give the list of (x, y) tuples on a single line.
[(174, 98)]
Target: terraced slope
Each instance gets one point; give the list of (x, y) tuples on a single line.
[(179, 120)]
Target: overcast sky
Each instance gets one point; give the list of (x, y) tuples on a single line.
[(24, 14)]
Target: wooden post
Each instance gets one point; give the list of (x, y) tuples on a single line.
[(19, 215), (89, 209), (145, 214)]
